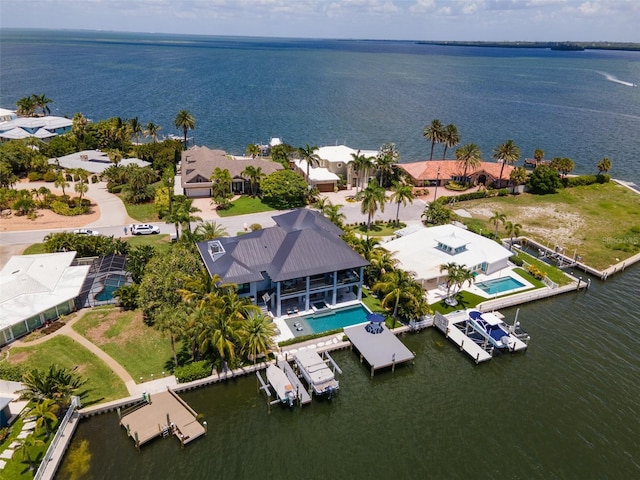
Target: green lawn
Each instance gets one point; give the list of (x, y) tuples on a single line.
[(465, 300), (17, 468), (578, 219), (35, 249), (161, 242), (243, 205), (142, 212), (102, 384), (378, 229), (141, 350)]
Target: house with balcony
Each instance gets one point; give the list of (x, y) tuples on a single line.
[(300, 264)]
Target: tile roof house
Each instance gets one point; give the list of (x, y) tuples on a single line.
[(199, 163), (299, 261), (429, 173)]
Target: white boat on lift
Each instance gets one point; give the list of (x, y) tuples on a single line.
[(281, 384), (317, 374), (492, 329)]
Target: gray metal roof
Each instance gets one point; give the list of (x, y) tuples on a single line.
[(302, 243), (379, 350)]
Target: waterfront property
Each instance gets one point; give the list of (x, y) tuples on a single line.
[(199, 163), (320, 321), (378, 346), (35, 289), (316, 372), (93, 161), (425, 250), (432, 173), (300, 261), (163, 415), (13, 127)]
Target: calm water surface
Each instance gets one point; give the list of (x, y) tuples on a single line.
[(566, 409)]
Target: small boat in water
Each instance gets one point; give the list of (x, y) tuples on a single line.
[(316, 373), (492, 329), (281, 384)]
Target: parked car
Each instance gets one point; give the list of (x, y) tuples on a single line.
[(144, 229), (86, 231)]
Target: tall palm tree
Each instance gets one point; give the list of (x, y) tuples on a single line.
[(361, 164), (183, 215), (372, 198), (136, 128), (538, 155), (42, 102), (604, 165), (152, 130), (185, 121), (253, 150), (513, 230), (255, 175), (402, 193), (508, 153), (172, 320), (434, 133), (26, 106), (256, 334), (468, 156), (496, 219), (450, 138), (457, 276), (307, 153), (385, 160), (79, 125), (394, 285), (61, 182)]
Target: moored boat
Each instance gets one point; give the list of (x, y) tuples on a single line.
[(281, 384)]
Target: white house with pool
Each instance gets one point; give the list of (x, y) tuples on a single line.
[(423, 251), (299, 267)]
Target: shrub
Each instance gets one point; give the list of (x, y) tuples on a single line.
[(34, 176), (255, 226), (192, 371), (49, 176), (10, 372), (503, 192), (465, 197), (516, 260), (94, 179), (62, 208), (112, 188), (535, 272)]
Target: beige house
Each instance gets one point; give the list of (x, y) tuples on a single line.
[(199, 163)]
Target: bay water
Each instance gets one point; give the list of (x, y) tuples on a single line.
[(567, 408)]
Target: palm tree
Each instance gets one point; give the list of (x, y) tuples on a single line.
[(79, 125), (255, 175), (115, 156), (46, 412), (25, 448), (42, 102), (385, 160), (61, 182), (469, 156), (604, 165), (253, 150), (372, 198), (182, 215), (518, 176), (508, 152), (457, 276), (394, 285), (496, 219), (538, 155), (151, 130), (450, 138), (402, 193), (56, 383), (307, 154), (172, 320), (210, 230), (513, 230), (136, 128), (185, 120), (26, 106), (434, 133), (256, 334), (361, 164)]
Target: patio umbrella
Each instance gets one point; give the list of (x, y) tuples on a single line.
[(375, 317)]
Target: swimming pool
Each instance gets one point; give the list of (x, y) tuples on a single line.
[(111, 284), (499, 285), (344, 317)]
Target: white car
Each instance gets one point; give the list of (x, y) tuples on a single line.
[(86, 231), (144, 229)]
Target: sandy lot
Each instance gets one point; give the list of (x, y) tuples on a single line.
[(47, 220)]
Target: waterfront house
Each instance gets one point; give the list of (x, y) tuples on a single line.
[(335, 163), (431, 173), (93, 161), (423, 251), (299, 262), (35, 289), (13, 127), (199, 163)]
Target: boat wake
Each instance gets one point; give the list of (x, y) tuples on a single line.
[(613, 79)]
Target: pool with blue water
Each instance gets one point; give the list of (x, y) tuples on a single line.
[(499, 285)]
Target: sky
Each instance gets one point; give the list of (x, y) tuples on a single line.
[(437, 20)]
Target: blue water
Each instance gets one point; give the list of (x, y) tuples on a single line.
[(499, 285), (111, 284), (323, 92), (338, 319)]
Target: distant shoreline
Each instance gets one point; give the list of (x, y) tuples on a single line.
[(563, 46)]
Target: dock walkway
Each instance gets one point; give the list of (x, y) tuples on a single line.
[(165, 413), (301, 393)]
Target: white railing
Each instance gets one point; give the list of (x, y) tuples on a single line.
[(75, 404)]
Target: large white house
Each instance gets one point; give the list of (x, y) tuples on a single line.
[(37, 288), (13, 127), (425, 250)]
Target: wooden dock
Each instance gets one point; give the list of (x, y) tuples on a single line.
[(163, 414)]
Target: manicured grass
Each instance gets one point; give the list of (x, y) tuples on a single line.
[(555, 274), (141, 350), (102, 384), (578, 219), (371, 302), (17, 468), (35, 249), (378, 229), (161, 242), (243, 205), (142, 212), (465, 300)]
